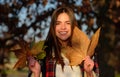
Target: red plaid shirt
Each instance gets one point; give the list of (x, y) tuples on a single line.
[(51, 66)]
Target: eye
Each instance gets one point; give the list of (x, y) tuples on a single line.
[(57, 23), (68, 23)]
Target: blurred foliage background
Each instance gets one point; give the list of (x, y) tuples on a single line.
[(26, 19)]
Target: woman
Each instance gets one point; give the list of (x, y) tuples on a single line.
[(56, 64)]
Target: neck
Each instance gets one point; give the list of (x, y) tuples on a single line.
[(64, 43)]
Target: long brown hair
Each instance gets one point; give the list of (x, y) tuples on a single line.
[(52, 43)]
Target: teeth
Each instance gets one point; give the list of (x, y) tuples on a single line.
[(63, 32)]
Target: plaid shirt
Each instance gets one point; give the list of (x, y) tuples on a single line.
[(48, 68), (51, 66)]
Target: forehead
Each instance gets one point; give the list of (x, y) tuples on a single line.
[(63, 16)]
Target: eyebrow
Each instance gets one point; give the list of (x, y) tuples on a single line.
[(60, 21)]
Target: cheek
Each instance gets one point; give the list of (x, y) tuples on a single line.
[(56, 29), (70, 29), (70, 32)]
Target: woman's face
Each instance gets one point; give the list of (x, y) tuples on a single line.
[(63, 27)]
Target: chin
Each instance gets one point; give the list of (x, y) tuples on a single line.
[(64, 39)]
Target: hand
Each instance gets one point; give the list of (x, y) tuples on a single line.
[(88, 64), (34, 66)]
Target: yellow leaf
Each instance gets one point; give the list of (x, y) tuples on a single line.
[(15, 47), (80, 40), (25, 51), (41, 55), (21, 53), (93, 43), (81, 46), (21, 63), (37, 48), (78, 51), (75, 55)]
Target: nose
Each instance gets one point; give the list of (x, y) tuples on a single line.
[(63, 26)]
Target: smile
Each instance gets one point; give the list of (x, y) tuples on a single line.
[(62, 33)]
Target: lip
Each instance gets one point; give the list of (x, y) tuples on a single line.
[(63, 32)]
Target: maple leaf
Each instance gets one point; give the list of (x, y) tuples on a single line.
[(21, 63), (38, 50), (81, 46), (23, 51), (37, 47)]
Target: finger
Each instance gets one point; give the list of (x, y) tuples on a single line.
[(86, 57), (31, 61), (89, 64)]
